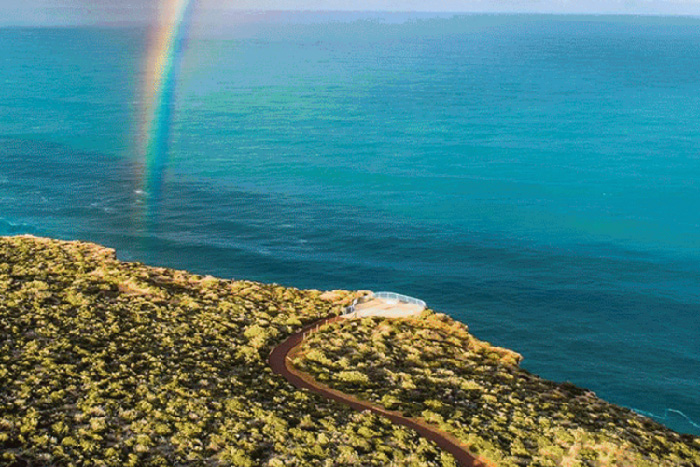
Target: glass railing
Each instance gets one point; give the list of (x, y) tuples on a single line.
[(389, 296), (399, 298)]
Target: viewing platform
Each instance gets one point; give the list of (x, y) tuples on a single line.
[(385, 305)]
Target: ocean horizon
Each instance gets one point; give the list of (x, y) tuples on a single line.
[(533, 176)]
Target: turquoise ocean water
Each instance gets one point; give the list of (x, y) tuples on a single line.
[(537, 178)]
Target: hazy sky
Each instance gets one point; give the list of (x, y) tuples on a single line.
[(116, 11)]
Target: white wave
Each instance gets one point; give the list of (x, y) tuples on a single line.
[(666, 417)]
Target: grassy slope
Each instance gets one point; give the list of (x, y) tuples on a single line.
[(431, 367), (111, 363)]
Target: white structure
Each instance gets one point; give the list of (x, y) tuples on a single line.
[(386, 305)]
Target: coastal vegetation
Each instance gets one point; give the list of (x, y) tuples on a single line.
[(109, 363), (430, 367)]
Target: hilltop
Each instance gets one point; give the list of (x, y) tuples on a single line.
[(110, 363), (104, 362)]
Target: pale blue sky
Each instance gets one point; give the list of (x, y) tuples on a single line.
[(116, 11)]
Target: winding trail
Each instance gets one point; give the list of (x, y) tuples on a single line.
[(280, 362)]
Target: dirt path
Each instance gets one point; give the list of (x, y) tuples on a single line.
[(286, 350)]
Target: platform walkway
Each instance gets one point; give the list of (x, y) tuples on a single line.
[(384, 305), (382, 308)]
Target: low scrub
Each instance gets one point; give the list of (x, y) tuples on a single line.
[(118, 364), (430, 367)]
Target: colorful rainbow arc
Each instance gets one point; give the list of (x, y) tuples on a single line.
[(163, 59)]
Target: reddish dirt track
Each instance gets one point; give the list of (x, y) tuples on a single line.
[(278, 363)]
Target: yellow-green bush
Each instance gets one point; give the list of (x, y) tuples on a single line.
[(431, 367), (116, 364)]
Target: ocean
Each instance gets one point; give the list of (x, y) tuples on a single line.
[(535, 177)]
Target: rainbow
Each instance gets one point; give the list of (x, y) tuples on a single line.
[(165, 47)]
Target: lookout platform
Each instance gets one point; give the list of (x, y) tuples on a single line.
[(385, 305)]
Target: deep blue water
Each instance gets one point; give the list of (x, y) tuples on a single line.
[(537, 178)]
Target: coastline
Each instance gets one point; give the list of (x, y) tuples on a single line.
[(186, 347)]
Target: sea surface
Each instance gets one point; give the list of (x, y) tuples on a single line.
[(536, 177)]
